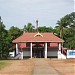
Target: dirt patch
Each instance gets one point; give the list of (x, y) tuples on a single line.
[(64, 67), (26, 67), (18, 67)]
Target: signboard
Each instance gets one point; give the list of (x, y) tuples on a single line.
[(70, 53)]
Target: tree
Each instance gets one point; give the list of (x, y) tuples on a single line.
[(6, 37), (3, 40), (29, 28), (14, 32), (70, 40), (61, 25), (45, 29), (71, 20), (66, 27)]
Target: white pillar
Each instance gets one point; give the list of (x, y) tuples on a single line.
[(16, 48), (59, 46), (21, 55), (45, 50), (31, 49), (59, 52)]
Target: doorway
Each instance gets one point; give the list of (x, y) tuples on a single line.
[(38, 52)]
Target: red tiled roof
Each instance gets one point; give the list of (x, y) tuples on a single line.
[(30, 37)]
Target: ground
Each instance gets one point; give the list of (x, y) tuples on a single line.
[(64, 67), (18, 67), (28, 66), (3, 64)]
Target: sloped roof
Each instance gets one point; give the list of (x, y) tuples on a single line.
[(36, 37)]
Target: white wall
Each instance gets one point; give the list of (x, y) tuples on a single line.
[(12, 54), (26, 52), (52, 52)]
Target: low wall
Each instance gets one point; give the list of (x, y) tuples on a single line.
[(52, 52)]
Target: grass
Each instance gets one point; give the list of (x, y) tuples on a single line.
[(3, 64)]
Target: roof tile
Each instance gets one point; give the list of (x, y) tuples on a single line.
[(29, 37)]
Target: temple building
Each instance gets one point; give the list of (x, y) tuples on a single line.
[(38, 45)]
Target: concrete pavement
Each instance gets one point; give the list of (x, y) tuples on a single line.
[(43, 68)]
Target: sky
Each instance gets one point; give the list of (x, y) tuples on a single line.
[(20, 12)]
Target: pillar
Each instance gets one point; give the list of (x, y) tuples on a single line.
[(16, 48), (21, 55), (31, 49), (45, 50), (59, 46), (59, 51)]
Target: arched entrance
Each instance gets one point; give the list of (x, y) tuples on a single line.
[(38, 51)]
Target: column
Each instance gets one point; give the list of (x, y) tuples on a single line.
[(45, 50), (59, 46), (62, 48), (31, 49), (16, 48), (21, 55), (59, 51)]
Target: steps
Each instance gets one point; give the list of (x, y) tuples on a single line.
[(18, 56)]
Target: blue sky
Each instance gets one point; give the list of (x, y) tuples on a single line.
[(20, 12)]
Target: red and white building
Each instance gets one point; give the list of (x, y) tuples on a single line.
[(38, 45)]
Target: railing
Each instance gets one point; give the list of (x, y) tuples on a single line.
[(65, 52)]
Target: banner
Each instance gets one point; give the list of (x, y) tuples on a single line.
[(70, 53)]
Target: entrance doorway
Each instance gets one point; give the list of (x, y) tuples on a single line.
[(38, 52)]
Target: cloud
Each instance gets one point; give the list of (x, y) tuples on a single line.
[(20, 12)]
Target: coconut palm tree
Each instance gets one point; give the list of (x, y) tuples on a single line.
[(62, 24), (29, 28)]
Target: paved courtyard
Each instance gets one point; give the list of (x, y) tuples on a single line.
[(39, 67), (43, 68)]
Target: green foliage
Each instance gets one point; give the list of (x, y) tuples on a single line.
[(69, 38), (3, 41), (3, 64), (29, 28), (6, 37), (45, 29), (66, 30), (14, 32)]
